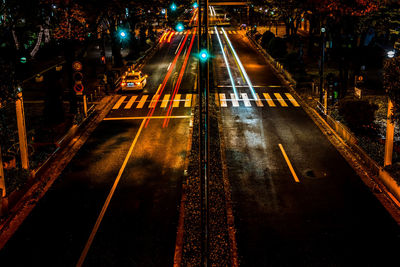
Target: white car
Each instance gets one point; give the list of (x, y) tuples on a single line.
[(134, 80)]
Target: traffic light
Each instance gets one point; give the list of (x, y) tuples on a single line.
[(195, 5), (179, 27), (22, 60), (204, 55), (122, 34), (358, 81), (173, 7)]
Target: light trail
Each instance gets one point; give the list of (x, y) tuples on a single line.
[(178, 83), (241, 66), (151, 111), (172, 34), (163, 36), (227, 64)]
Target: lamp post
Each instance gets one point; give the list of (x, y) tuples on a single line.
[(321, 70)]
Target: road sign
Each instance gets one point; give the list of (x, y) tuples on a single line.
[(78, 88), (77, 66), (78, 77)]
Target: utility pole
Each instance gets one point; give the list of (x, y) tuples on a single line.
[(23, 144), (321, 71)]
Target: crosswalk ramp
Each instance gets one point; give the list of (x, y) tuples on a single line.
[(223, 100)]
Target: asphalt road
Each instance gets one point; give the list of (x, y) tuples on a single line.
[(328, 217), (130, 169)]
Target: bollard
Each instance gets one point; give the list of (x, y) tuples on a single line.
[(91, 98), (95, 94)]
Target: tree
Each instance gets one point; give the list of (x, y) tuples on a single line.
[(392, 86)]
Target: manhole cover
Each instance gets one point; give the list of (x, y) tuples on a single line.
[(314, 174)]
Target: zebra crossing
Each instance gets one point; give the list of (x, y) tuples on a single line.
[(210, 31), (223, 100)]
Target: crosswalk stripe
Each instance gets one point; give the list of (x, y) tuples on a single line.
[(220, 32), (188, 32), (194, 100), (119, 102), (246, 100), (153, 101), (269, 100), (223, 100), (291, 99), (234, 32), (130, 102), (230, 32), (235, 101), (177, 100), (142, 101), (188, 100), (216, 99), (165, 100), (212, 32), (258, 101), (280, 100)]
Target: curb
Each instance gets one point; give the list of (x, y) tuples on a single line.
[(371, 178), (50, 171)]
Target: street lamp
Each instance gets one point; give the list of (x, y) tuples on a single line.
[(195, 5), (203, 55), (391, 53)]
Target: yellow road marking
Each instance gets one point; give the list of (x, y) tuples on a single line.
[(153, 101), (194, 100), (234, 32), (269, 100), (216, 99), (110, 195), (235, 101), (291, 99), (141, 118), (223, 100), (119, 102), (246, 100), (188, 101), (289, 164), (165, 100), (230, 32), (212, 32), (176, 101), (280, 100), (130, 102), (142, 101), (258, 101)]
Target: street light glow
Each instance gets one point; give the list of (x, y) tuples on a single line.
[(179, 27), (391, 54), (203, 55), (173, 6), (195, 5)]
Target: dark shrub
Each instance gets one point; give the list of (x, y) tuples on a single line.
[(277, 47), (358, 114), (266, 37)]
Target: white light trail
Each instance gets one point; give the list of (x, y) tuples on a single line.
[(241, 66), (227, 64)]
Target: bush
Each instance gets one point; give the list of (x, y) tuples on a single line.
[(277, 47), (358, 114), (266, 37)]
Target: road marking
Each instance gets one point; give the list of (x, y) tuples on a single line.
[(291, 99), (153, 101), (235, 101), (230, 32), (235, 32), (258, 101), (211, 31), (280, 100), (188, 101), (176, 101), (141, 118), (222, 100), (165, 101), (110, 195), (130, 102), (142, 101), (241, 86), (289, 164), (246, 100), (119, 102), (194, 100), (269, 100), (216, 99)]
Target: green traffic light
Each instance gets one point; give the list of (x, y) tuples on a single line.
[(22, 60), (179, 27), (195, 5), (173, 7), (203, 55)]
